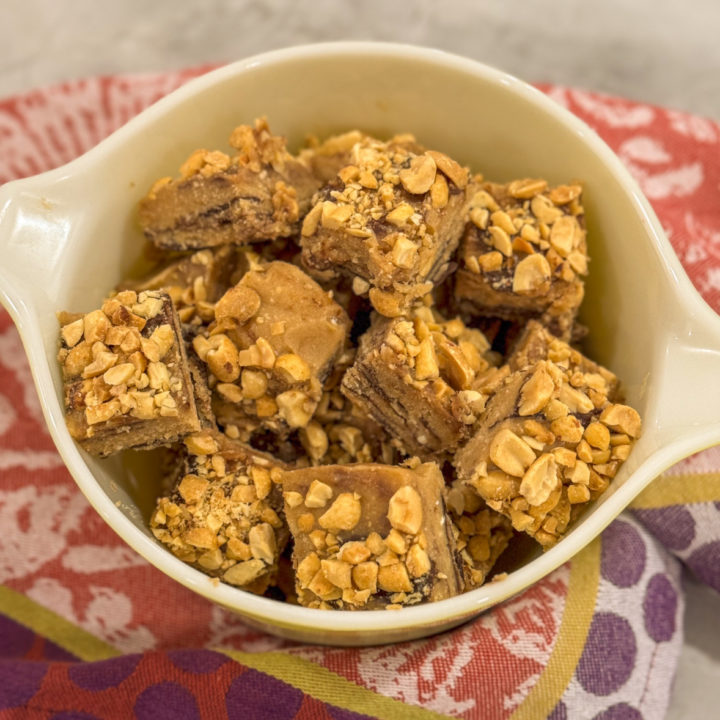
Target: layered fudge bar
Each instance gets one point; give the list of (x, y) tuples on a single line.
[(523, 254), (416, 377), (391, 220), (550, 440), (273, 342), (257, 194), (125, 370), (224, 515), (481, 533), (193, 282), (370, 536)]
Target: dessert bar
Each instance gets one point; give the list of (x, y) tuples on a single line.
[(523, 254), (224, 513), (258, 194), (127, 383), (391, 220), (370, 536)]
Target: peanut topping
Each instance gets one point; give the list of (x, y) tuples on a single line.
[(439, 192), (293, 368), (365, 576), (426, 363), (449, 167), (318, 494), (238, 304), (354, 552), (623, 418), (243, 573), (536, 392), (394, 578), (405, 510), (531, 274), (343, 514), (293, 499), (419, 177), (526, 188), (201, 444), (72, 332), (418, 562), (510, 453), (540, 480)]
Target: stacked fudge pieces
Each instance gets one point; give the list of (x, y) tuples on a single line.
[(359, 359)]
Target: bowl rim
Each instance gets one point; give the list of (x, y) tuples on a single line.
[(466, 604)]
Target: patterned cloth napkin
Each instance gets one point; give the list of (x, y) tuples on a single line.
[(89, 630)]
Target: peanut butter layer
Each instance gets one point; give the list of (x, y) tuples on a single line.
[(481, 533), (523, 254), (258, 194), (370, 536), (417, 378), (193, 282), (274, 340), (550, 441), (391, 219), (224, 516), (126, 374)]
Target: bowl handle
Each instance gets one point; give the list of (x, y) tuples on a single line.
[(34, 231), (688, 400)]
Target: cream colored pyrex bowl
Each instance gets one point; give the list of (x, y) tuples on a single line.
[(68, 236)]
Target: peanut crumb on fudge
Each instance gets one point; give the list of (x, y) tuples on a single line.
[(391, 219), (257, 194), (523, 254), (126, 374), (370, 536), (224, 515)]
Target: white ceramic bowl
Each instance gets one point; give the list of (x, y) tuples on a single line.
[(67, 236)]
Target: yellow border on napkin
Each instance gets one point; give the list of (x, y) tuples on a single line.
[(574, 628), (55, 628), (683, 489), (329, 687)]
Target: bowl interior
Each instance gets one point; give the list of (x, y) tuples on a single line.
[(484, 119)]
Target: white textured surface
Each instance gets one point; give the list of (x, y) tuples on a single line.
[(659, 51)]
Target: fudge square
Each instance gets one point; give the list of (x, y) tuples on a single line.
[(523, 254), (550, 441), (224, 514), (194, 282), (126, 375), (391, 220), (274, 340), (370, 536), (258, 194), (416, 377)]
